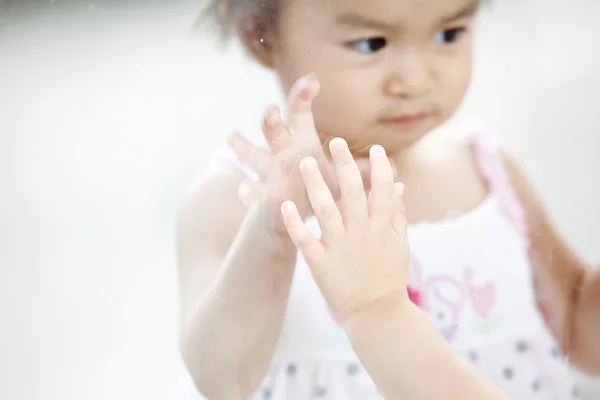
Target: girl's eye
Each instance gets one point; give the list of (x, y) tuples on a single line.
[(370, 45), (449, 36)]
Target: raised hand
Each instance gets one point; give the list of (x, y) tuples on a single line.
[(278, 168), (363, 254)]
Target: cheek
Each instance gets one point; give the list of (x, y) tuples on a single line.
[(347, 100), (454, 82)]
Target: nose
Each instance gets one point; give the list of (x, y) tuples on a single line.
[(410, 76)]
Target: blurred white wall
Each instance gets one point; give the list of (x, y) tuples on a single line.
[(107, 111)]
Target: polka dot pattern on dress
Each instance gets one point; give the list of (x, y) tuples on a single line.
[(319, 391), (522, 346), (508, 372), (291, 369), (266, 393), (353, 369)]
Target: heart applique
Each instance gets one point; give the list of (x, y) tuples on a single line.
[(483, 299), (414, 296)]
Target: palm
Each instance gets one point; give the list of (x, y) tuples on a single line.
[(364, 253), (277, 167)]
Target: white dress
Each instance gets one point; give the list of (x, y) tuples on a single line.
[(470, 274)]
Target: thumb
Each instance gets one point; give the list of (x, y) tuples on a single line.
[(398, 212)]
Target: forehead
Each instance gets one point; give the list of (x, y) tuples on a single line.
[(391, 13)]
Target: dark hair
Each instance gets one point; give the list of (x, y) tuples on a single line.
[(223, 15)]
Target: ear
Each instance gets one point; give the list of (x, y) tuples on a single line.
[(257, 39)]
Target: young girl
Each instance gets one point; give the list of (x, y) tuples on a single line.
[(486, 265)]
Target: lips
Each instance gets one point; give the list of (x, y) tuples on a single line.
[(406, 119)]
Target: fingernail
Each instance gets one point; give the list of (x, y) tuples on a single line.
[(377, 150), (271, 117), (287, 206), (339, 143), (308, 164), (303, 82), (303, 86)]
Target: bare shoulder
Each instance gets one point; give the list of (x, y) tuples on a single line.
[(209, 216), (518, 178), (446, 149), (443, 177)]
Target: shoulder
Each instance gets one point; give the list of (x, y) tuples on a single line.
[(443, 175), (470, 154), (446, 154), (522, 186), (211, 183)]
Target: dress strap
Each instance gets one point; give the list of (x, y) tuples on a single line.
[(486, 149)]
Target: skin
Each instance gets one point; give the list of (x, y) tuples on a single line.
[(383, 326), (413, 72), (567, 288), (236, 262)]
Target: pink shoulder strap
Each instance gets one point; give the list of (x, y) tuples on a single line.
[(486, 151)]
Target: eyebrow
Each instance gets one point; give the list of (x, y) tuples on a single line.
[(467, 11), (360, 21)]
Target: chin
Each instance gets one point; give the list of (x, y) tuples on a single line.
[(393, 139), (406, 138), (397, 142)]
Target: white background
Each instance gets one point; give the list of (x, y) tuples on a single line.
[(108, 110)]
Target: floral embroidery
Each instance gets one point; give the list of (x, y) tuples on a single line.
[(443, 298), (483, 297), (414, 295)]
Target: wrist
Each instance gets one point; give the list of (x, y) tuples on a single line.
[(393, 306), (268, 221)]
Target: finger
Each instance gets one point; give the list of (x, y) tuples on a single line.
[(327, 169), (275, 132), (323, 204), (353, 198), (381, 197), (308, 245), (364, 166), (300, 99), (398, 220), (258, 160)]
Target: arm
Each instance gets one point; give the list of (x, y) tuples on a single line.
[(237, 267), (567, 289), (399, 348), (360, 265), (234, 283)]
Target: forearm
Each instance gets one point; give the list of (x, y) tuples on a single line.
[(231, 337), (585, 347), (408, 359)]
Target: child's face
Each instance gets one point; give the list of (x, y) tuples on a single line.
[(390, 70)]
